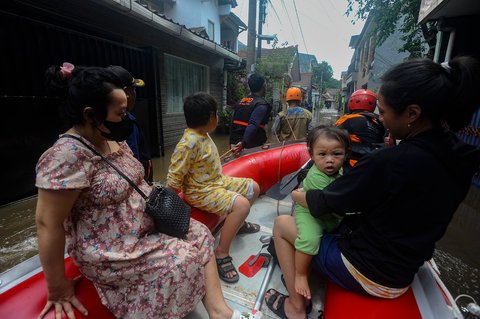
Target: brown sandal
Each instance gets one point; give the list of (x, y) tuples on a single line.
[(248, 228), (224, 266)]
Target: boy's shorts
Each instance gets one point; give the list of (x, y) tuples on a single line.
[(219, 199)]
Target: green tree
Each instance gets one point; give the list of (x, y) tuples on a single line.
[(386, 14), (323, 76), (275, 67)]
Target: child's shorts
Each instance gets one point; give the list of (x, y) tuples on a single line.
[(310, 230), (219, 199)]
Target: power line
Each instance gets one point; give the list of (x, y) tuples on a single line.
[(275, 11), (289, 20), (335, 8), (300, 25), (323, 9)]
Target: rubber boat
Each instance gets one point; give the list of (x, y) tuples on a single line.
[(23, 290)]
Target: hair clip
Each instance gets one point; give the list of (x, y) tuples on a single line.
[(66, 70)]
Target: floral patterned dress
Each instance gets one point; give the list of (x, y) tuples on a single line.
[(137, 274)]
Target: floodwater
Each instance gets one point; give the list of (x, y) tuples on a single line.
[(457, 254)]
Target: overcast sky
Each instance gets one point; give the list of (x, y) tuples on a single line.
[(326, 29)]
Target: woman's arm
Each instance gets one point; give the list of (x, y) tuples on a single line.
[(53, 207)]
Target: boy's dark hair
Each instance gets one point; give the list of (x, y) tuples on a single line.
[(255, 82), (332, 132), (198, 108)]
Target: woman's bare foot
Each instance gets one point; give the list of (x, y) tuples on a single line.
[(301, 285)]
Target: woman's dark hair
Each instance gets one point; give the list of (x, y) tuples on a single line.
[(198, 108), (85, 86), (255, 82), (332, 132), (446, 93)]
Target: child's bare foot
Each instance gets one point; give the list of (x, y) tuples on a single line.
[(301, 286)]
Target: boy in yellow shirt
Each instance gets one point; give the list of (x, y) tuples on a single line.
[(196, 170)]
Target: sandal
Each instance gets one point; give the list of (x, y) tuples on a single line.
[(280, 299), (224, 266), (248, 228), (246, 315)]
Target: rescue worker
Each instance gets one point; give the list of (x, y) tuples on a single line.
[(250, 116), (295, 122), (366, 131)]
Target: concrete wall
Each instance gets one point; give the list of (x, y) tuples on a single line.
[(195, 13), (386, 55)]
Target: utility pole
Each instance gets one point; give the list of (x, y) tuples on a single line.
[(252, 34), (262, 5), (317, 113)]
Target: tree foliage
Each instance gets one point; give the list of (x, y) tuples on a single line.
[(323, 76), (275, 68), (388, 15)]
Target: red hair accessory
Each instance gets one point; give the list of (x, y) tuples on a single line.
[(66, 70)]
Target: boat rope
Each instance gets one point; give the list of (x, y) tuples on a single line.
[(464, 295), (224, 155)]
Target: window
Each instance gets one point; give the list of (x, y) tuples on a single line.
[(211, 30), (183, 78)]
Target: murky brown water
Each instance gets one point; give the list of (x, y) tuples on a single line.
[(458, 253)]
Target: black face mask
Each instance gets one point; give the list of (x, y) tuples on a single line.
[(119, 131)]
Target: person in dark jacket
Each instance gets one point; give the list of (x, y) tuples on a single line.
[(250, 116), (404, 196), (136, 141), (364, 127)]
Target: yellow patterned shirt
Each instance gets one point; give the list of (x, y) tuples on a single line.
[(195, 169)]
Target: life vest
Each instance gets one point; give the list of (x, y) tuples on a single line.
[(366, 133), (294, 124), (241, 119)]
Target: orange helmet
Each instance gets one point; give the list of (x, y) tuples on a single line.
[(362, 100), (293, 94)]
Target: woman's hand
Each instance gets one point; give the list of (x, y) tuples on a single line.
[(63, 299), (300, 197)]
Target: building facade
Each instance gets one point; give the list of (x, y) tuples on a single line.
[(173, 60)]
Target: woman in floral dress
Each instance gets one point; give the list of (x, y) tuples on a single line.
[(85, 204)]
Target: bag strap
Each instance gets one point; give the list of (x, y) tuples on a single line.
[(108, 162)]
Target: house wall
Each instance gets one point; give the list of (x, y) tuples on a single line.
[(140, 34), (107, 37), (195, 13), (370, 62), (386, 55), (229, 35), (174, 123)]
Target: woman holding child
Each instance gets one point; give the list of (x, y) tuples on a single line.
[(404, 197), (87, 206)]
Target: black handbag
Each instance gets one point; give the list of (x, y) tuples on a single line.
[(169, 212)]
